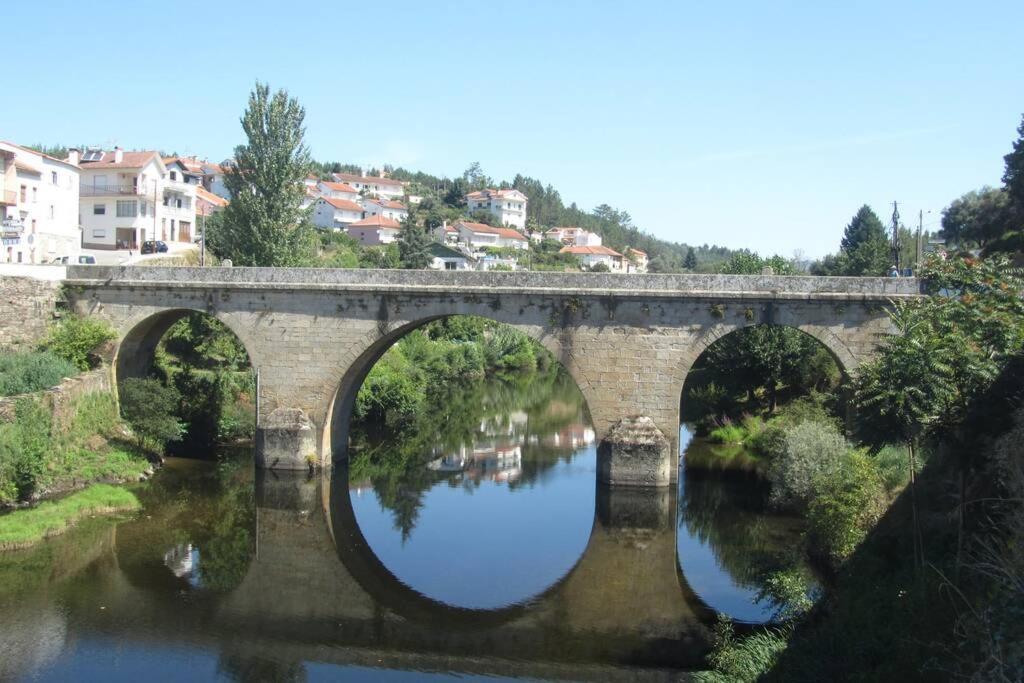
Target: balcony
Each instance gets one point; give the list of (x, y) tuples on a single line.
[(8, 197), (110, 191)]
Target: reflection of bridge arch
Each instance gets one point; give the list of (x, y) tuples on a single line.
[(361, 358)]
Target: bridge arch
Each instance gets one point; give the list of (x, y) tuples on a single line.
[(361, 358)]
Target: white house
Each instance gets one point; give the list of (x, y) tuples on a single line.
[(372, 185), (336, 214), (38, 206), (374, 231), (508, 206), (591, 256), (127, 198), (444, 257), (388, 208), (480, 235), (338, 191), (213, 179), (637, 260), (574, 237)]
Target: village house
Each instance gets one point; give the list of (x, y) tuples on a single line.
[(637, 260), (207, 203), (444, 257), (508, 206), (127, 198), (388, 188), (38, 206), (210, 175), (591, 256), (336, 214), (574, 237), (374, 231), (345, 191), (480, 235), (388, 208)]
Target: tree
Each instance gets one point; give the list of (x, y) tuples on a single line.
[(600, 267), (865, 245), (149, 407), (977, 218), (413, 245), (265, 224), (1013, 176), (864, 227), (690, 262)]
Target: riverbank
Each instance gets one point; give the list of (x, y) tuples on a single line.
[(24, 528)]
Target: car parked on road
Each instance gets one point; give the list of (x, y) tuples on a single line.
[(81, 259), (154, 247)]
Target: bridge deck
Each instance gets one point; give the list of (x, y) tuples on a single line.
[(474, 282)]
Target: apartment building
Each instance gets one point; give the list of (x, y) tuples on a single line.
[(389, 188), (508, 206), (127, 198), (38, 206)]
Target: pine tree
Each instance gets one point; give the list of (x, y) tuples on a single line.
[(691, 259), (1013, 177), (865, 245), (265, 224), (413, 246)]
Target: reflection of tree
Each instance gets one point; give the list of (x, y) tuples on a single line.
[(239, 667), (523, 410), (227, 551), (729, 515)]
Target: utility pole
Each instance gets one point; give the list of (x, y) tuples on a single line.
[(202, 242), (896, 237), (920, 230)]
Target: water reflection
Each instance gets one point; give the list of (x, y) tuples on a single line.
[(730, 542), (459, 522)]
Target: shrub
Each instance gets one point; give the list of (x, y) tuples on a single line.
[(75, 339), (770, 442), (390, 393), (892, 464), (149, 407), (848, 500), (811, 449), (24, 447), (742, 660), (727, 433), (22, 373)]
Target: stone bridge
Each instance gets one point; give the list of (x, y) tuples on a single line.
[(313, 334)]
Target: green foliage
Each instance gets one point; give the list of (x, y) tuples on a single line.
[(24, 448), (977, 218), (265, 224), (742, 660), (74, 339), (1013, 176), (600, 267), (203, 341), (413, 245), (891, 463), (23, 373), (811, 450), (23, 528), (690, 262), (385, 256), (149, 407), (748, 263), (727, 433), (848, 500)]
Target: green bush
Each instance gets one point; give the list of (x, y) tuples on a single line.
[(23, 373), (727, 433), (25, 445), (770, 442), (892, 463), (848, 500), (811, 450), (150, 407), (75, 339), (742, 660), (390, 393)]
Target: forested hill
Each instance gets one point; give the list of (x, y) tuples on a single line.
[(546, 209)]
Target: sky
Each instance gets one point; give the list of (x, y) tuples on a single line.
[(760, 125)]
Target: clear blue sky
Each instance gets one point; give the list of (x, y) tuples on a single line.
[(763, 125)]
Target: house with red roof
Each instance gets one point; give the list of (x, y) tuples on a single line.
[(637, 260), (336, 214), (379, 186), (327, 188), (508, 206), (388, 208), (589, 257), (574, 236), (479, 235), (374, 231)]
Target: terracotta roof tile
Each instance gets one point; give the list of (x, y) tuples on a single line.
[(376, 222), (373, 180), (343, 204), (508, 233), (339, 187), (597, 251)]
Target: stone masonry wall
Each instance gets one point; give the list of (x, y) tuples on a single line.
[(27, 309), (61, 398)]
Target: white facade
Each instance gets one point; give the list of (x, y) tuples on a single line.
[(591, 256), (337, 214), (508, 206), (338, 191), (480, 235), (446, 258), (373, 231), (127, 198), (385, 207), (637, 260), (372, 185), (574, 236), (38, 206)]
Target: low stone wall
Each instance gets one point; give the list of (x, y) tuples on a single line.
[(28, 306), (61, 398)]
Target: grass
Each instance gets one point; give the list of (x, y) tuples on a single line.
[(23, 373), (23, 528)]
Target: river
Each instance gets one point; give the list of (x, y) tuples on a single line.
[(476, 545)]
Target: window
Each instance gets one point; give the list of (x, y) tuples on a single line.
[(142, 208), (99, 209), (449, 265), (53, 177), (24, 195), (99, 233), (174, 175), (33, 226), (35, 194), (127, 208), (51, 210)]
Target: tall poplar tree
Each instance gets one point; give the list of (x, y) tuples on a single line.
[(265, 224)]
